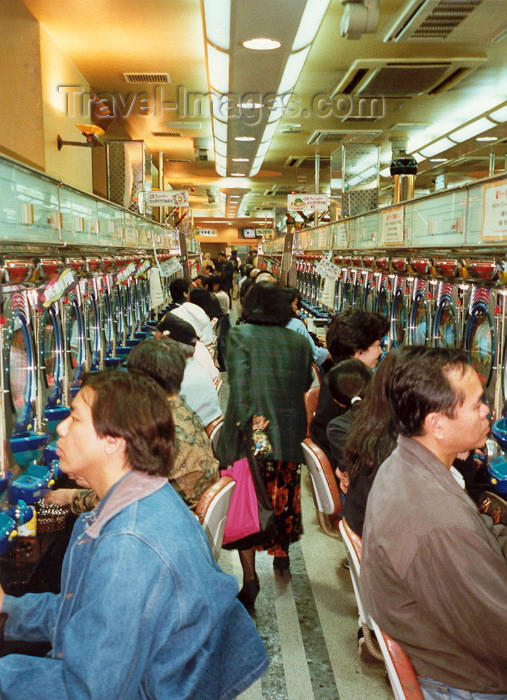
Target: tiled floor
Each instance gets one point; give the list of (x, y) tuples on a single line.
[(309, 623)]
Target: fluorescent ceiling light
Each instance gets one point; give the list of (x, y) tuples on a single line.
[(487, 138), (220, 160), (310, 23), (439, 160), (218, 66), (499, 115), (237, 174), (219, 129), (244, 138), (261, 44), (293, 68), (220, 147), (250, 105), (217, 16), (270, 131), (436, 147), (240, 160), (470, 130)]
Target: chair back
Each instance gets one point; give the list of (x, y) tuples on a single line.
[(326, 494), (402, 676), (311, 399), (213, 431), (211, 510), (316, 376)]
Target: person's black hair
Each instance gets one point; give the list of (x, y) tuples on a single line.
[(214, 279), (178, 288), (373, 435), (132, 406), (266, 304), (419, 384), (354, 330), (162, 360), (209, 304), (294, 293), (347, 380)]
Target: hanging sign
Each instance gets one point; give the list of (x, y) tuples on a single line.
[(57, 287), (494, 221), (392, 226), (167, 198), (326, 268), (207, 232), (307, 202), (123, 274), (170, 267), (142, 269)]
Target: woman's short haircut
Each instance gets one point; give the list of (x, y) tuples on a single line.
[(134, 407), (266, 304), (354, 330), (419, 384), (162, 360), (348, 379)]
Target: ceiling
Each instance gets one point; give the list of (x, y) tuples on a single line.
[(425, 87)]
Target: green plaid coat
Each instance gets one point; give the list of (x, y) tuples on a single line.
[(269, 369)]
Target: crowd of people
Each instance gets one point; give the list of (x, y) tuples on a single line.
[(404, 439)]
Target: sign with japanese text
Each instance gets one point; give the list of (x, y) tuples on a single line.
[(167, 198), (494, 220), (392, 226), (307, 202)]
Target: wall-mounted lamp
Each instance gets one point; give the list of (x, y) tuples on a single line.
[(89, 131)]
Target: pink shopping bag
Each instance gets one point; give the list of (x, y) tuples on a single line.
[(243, 515)]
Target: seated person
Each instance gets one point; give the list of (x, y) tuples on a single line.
[(354, 333), (187, 333), (347, 381), (433, 569), (197, 388), (319, 354), (144, 610), (194, 468), (192, 313)]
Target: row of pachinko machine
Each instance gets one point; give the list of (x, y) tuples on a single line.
[(60, 317), (436, 301)]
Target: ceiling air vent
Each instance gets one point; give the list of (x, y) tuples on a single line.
[(166, 134), (389, 78), (151, 78), (448, 20), (343, 136)]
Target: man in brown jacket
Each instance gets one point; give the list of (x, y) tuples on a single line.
[(434, 570)]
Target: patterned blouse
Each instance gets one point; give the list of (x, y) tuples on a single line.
[(194, 469)]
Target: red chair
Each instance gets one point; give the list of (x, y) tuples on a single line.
[(311, 399), (213, 431), (402, 676), (212, 509), (325, 491)]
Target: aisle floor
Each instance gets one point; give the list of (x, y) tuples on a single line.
[(309, 623)]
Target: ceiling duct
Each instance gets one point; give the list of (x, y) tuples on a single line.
[(405, 77), (149, 78), (448, 20)]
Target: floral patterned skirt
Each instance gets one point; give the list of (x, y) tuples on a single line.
[(283, 486)]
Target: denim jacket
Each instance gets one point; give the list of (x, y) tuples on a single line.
[(144, 610)]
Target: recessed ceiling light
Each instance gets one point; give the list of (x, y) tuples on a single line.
[(240, 160), (237, 174), (244, 138), (250, 105), (261, 44), (487, 138)]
